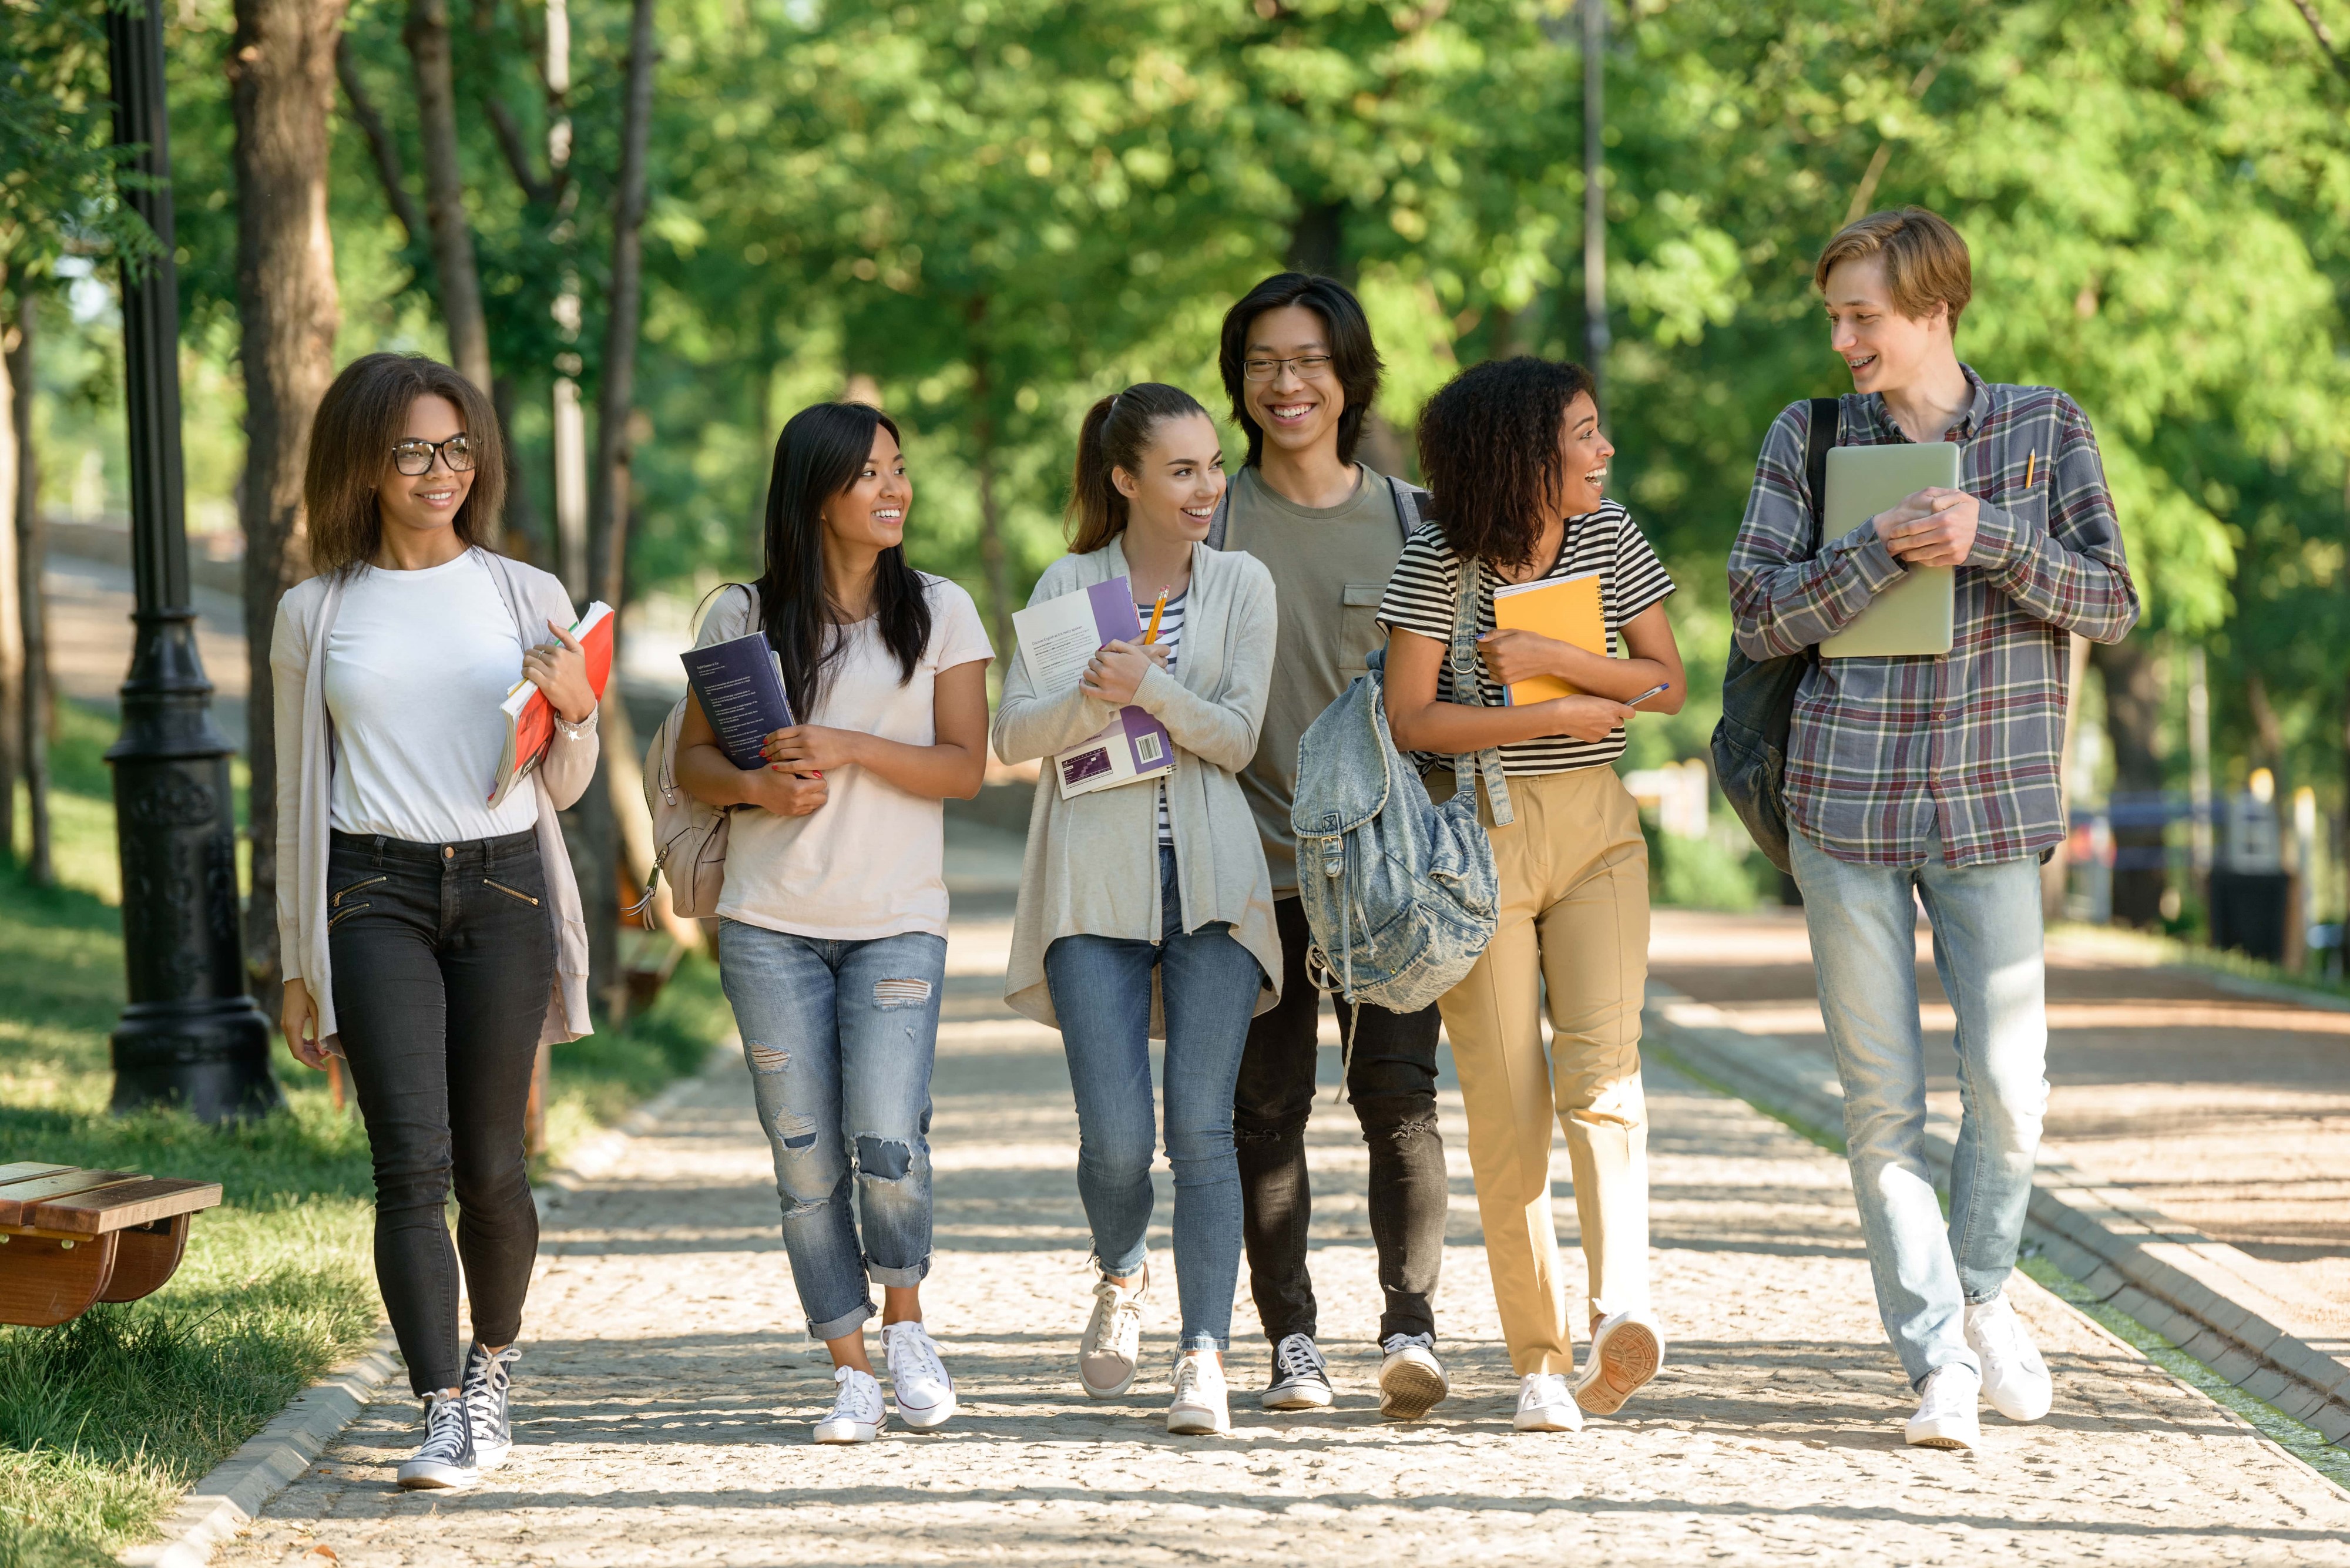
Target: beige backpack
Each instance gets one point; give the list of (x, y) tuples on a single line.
[(688, 835)]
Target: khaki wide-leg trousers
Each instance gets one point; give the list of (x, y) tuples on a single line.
[(1574, 927)]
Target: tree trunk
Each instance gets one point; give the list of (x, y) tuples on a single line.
[(282, 95), (12, 631), (32, 557), (522, 534), (2133, 723), (427, 37)]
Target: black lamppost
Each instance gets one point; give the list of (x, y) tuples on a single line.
[(191, 1035)]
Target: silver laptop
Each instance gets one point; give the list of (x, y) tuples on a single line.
[(1914, 616)]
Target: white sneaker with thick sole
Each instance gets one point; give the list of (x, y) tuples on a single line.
[(858, 1413), (1626, 1349), (1546, 1404), (1411, 1380), (1109, 1354), (1946, 1411), (1301, 1378), (2014, 1378), (919, 1383), (1201, 1406)]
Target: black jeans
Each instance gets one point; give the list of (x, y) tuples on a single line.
[(444, 961), (1391, 1080)]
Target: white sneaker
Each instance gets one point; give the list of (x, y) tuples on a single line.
[(1411, 1380), (1108, 1354), (1301, 1378), (1546, 1404), (919, 1383), (856, 1415), (2014, 1377), (1201, 1405), (1946, 1410), (1626, 1349)]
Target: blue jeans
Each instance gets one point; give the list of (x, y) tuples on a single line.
[(1102, 992), (840, 1036), (1987, 949)]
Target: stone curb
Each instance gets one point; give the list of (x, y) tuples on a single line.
[(233, 1494), (2196, 1292)]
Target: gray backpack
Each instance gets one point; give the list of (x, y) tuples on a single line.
[(1400, 892)]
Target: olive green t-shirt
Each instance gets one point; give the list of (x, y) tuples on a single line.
[(1329, 567)]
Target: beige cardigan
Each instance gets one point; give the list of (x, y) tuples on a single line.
[(305, 792), (1092, 863)]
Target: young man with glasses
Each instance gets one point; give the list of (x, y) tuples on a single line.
[(1934, 780), (1299, 366)]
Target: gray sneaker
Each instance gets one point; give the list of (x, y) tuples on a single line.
[(1301, 1378), (445, 1462), (486, 1390)]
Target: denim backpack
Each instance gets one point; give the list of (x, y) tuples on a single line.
[(1400, 892)]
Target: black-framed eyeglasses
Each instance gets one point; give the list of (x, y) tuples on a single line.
[(413, 457), (1309, 368)]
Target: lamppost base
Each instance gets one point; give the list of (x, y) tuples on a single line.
[(207, 1055)]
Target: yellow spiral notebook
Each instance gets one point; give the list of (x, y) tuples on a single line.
[(1565, 609)]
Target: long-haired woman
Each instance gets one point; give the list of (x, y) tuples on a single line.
[(833, 922), (1516, 465), (431, 939), (1146, 909)]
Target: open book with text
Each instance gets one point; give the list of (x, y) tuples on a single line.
[(1057, 639)]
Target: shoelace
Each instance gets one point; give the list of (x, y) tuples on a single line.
[(907, 1351), (859, 1399), (2002, 1333), (1545, 1389), (486, 1376), (1396, 1341), (1118, 1319), (445, 1430), (1295, 1356), (1191, 1378)]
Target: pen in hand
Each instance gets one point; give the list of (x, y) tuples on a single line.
[(1657, 691)]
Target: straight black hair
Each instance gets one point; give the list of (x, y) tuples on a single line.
[(1488, 444), (1354, 358), (822, 451), (1117, 432)]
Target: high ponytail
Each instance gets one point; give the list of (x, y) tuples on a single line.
[(1117, 432)]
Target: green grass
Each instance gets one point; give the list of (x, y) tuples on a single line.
[(105, 1421)]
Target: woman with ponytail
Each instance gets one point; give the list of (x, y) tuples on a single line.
[(1146, 911), (833, 922)]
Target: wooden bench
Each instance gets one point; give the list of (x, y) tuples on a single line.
[(70, 1237)]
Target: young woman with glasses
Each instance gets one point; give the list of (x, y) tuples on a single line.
[(430, 938)]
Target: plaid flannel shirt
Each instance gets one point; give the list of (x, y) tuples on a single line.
[(1885, 754)]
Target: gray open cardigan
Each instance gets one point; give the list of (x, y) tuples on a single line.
[(1092, 863), (305, 792)]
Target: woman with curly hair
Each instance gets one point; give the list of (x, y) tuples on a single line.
[(1517, 465)]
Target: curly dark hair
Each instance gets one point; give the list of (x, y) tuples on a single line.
[(1489, 447)]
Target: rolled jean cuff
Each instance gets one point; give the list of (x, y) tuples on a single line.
[(1962, 1357), (1125, 1268), (903, 1279), (846, 1323), (1191, 1342)]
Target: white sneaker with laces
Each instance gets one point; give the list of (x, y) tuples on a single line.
[(1626, 1349), (857, 1414), (1301, 1378), (1546, 1404), (919, 1383), (1411, 1380), (2015, 1378), (1109, 1354), (1946, 1410), (1201, 1406)]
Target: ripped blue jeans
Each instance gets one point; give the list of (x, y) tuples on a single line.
[(839, 1036)]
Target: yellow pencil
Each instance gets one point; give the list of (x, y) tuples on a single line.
[(1157, 611), (2029, 463)]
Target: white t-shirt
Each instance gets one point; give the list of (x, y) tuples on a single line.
[(417, 665), (870, 861)]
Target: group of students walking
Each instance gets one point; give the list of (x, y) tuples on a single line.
[(434, 942)]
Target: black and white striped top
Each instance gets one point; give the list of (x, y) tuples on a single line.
[(1419, 599), (1171, 634)]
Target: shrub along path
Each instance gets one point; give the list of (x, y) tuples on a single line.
[(667, 1389)]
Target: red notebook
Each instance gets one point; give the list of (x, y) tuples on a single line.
[(530, 718)]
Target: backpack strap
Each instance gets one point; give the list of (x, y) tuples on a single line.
[(1826, 425), (1411, 504), (1466, 768)]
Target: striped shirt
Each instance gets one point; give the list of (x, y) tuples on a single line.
[(1170, 634), (1885, 754), (1420, 596)]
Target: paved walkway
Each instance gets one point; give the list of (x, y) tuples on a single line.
[(668, 1388)]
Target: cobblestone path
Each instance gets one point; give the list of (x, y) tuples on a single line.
[(666, 1394)]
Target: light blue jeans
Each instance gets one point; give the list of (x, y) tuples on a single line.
[(1101, 993), (840, 1036), (1987, 949)]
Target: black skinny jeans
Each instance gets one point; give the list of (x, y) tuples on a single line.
[(443, 961), (1392, 1083)]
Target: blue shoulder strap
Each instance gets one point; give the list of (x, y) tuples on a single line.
[(1488, 762)]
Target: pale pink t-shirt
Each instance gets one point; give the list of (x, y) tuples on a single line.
[(870, 861)]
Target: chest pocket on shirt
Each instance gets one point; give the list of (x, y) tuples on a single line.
[(1359, 624)]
